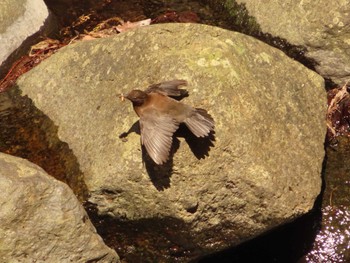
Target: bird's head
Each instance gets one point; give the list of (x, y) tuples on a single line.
[(137, 97)]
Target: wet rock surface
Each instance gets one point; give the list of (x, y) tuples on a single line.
[(42, 221), (261, 168)]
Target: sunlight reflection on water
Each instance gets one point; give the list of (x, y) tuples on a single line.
[(332, 243)]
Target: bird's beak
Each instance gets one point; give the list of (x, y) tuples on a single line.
[(122, 97)]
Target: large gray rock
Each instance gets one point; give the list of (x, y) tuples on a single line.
[(264, 169), (19, 20), (323, 27), (42, 221)]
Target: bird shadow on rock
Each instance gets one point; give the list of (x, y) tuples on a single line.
[(160, 174), (200, 147), (134, 128)]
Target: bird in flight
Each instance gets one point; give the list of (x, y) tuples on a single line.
[(160, 116)]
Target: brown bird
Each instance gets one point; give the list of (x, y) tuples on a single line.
[(160, 116)]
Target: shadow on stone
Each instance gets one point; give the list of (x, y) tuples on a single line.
[(160, 174), (287, 244), (28, 133), (134, 128), (145, 240), (200, 147)]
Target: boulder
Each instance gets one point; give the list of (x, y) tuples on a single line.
[(320, 26), (19, 21), (261, 168), (42, 221)]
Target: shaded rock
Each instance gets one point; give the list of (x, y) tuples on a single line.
[(29, 134), (42, 221), (262, 170), (19, 21), (321, 26)]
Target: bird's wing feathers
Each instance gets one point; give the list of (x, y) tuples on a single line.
[(157, 135), (169, 88)]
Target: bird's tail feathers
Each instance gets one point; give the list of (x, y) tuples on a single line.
[(200, 123)]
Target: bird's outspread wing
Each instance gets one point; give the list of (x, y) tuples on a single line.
[(169, 88), (157, 135)]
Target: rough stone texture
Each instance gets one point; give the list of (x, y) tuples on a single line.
[(323, 27), (264, 169), (42, 221), (18, 21)]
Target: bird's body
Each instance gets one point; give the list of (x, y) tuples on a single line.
[(160, 116), (157, 103)]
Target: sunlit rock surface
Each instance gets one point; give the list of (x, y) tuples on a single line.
[(320, 26), (262, 170), (42, 221), (18, 21)]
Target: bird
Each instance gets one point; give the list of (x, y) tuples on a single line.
[(161, 114)]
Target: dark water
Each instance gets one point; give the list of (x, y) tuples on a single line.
[(332, 242), (320, 236)]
